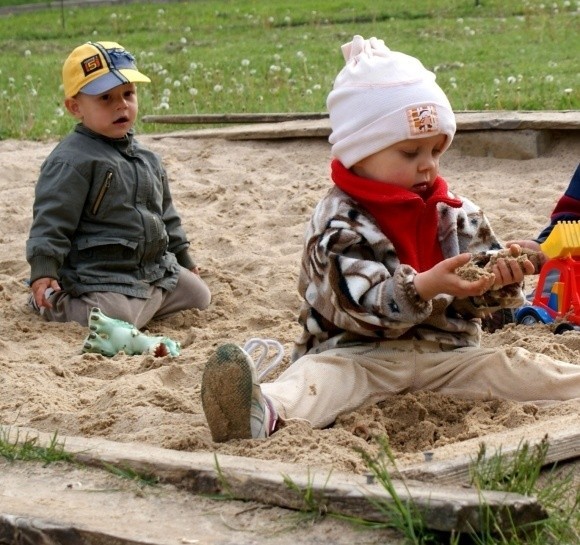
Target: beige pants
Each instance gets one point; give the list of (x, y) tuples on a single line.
[(190, 292), (319, 387)]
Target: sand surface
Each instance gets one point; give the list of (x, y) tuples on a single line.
[(244, 205)]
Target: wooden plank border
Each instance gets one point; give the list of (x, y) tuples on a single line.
[(466, 120), (563, 445), (443, 506)]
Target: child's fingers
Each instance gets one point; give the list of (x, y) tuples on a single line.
[(511, 271)]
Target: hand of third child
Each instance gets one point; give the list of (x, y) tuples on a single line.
[(442, 278), (512, 271)]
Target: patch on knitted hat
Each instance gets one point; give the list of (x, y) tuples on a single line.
[(423, 120)]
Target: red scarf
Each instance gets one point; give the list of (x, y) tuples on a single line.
[(407, 219)]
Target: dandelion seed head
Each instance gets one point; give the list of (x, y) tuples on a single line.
[(27, 53), (511, 79), (193, 91), (245, 62), (183, 40), (549, 78), (218, 88)]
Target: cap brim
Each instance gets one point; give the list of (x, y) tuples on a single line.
[(111, 80)]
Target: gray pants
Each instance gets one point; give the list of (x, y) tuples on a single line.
[(190, 292), (318, 388)]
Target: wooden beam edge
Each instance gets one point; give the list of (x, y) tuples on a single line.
[(317, 124), (443, 507)]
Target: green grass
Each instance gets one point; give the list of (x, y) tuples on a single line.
[(282, 56), (27, 448), (524, 472)]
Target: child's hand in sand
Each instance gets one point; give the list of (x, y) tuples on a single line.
[(511, 268), (443, 278), (39, 287), (529, 244), (535, 247)]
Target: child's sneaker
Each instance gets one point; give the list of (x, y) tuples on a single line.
[(232, 399)]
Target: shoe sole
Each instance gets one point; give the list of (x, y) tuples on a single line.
[(226, 394)]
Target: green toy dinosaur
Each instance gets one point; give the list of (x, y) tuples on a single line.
[(108, 336)]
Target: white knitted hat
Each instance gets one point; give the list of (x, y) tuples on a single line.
[(382, 97)]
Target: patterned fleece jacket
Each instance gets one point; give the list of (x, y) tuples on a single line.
[(358, 289)]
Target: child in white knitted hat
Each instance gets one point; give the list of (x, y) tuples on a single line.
[(384, 309)]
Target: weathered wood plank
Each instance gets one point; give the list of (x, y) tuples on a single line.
[(518, 120), (466, 120), (207, 119), (317, 124), (563, 440), (22, 530), (442, 507)]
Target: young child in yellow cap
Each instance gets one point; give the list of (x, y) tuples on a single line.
[(384, 310), (105, 232)]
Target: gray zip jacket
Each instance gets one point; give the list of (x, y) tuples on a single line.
[(104, 220)]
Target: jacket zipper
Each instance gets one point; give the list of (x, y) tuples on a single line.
[(102, 191)]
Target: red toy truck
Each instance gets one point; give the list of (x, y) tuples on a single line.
[(557, 296)]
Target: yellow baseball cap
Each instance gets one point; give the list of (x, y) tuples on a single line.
[(96, 67)]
